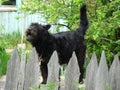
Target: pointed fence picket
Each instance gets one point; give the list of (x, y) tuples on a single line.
[(53, 72), (32, 71), (13, 71), (99, 77), (24, 74), (91, 72), (114, 74), (72, 74)]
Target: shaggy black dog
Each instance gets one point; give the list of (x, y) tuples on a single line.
[(64, 43)]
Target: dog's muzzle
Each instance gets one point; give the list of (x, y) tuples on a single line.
[(28, 37)]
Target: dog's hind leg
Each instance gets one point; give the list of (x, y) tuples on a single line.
[(44, 72), (80, 53)]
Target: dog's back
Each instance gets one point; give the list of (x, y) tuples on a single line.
[(67, 42)]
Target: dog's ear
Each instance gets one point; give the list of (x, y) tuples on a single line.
[(47, 26)]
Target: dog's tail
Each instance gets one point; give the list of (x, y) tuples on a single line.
[(83, 20)]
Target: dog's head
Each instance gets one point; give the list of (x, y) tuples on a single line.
[(35, 31)]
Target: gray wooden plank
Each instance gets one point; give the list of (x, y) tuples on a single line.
[(12, 71), (22, 72), (11, 24), (32, 71), (118, 75), (53, 73), (53, 70), (101, 80), (72, 74), (114, 74), (91, 73), (6, 15)]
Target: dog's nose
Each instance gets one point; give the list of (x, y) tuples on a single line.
[(27, 33)]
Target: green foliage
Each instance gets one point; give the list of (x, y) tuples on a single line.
[(104, 18), (82, 88), (1, 1), (3, 56), (12, 39), (107, 86), (50, 86), (35, 88), (54, 10), (104, 31)]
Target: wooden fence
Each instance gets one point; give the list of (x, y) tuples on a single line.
[(23, 76), (16, 21)]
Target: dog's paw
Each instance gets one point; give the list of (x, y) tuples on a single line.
[(43, 82)]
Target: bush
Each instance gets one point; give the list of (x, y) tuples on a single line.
[(4, 57)]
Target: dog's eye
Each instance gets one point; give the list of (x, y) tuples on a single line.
[(34, 30)]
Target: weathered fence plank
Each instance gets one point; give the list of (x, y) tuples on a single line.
[(118, 76), (32, 71), (12, 71), (53, 72), (72, 74), (114, 74), (101, 80), (91, 73), (22, 72)]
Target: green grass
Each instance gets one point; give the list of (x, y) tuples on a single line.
[(49, 86), (4, 57), (11, 39), (82, 88)]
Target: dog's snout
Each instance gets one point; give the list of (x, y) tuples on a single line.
[(28, 32)]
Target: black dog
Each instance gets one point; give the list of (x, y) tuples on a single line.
[(64, 43)]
